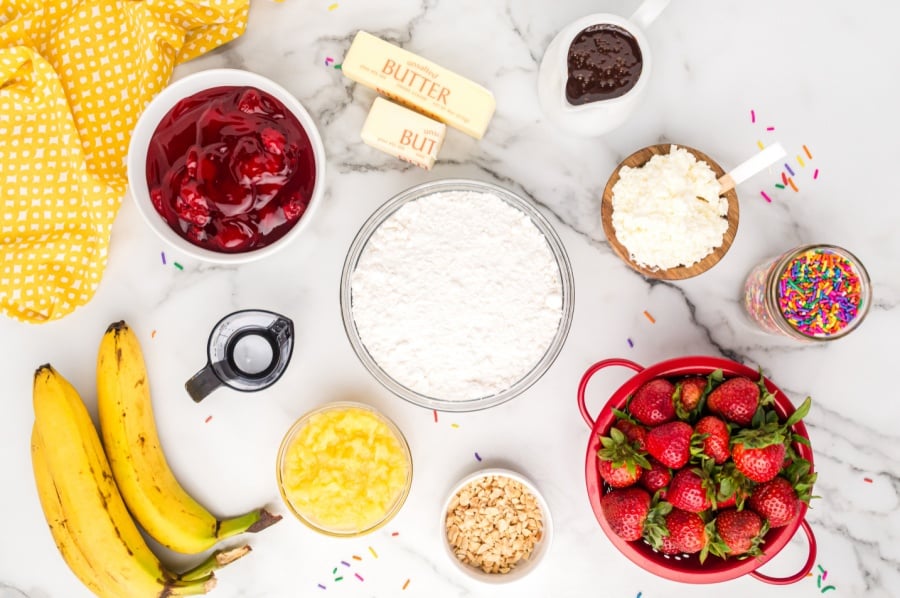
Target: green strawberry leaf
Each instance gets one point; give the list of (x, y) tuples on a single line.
[(800, 439), (617, 435), (799, 414), (622, 415), (682, 413)]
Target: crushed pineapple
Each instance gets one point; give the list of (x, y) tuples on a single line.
[(345, 469)]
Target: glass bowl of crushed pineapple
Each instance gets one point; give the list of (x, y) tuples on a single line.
[(344, 469)]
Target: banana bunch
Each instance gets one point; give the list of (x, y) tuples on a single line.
[(87, 516), (90, 490), (156, 499)]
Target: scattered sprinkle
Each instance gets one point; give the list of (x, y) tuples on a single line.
[(435, 415), (323, 587), (338, 578), (800, 161), (770, 128), (345, 563), (779, 186), (153, 334), (162, 254), (816, 174), (359, 577), (328, 60), (177, 265), (477, 456), (649, 317), (406, 583), (333, 6), (357, 558), (824, 576), (788, 168), (753, 120), (821, 569), (395, 534), (372, 550), (335, 571), (791, 183), (206, 421), (826, 588), (630, 343), (819, 293), (338, 67), (639, 595), (760, 145), (867, 480), (766, 197), (808, 155), (784, 178), (454, 425)]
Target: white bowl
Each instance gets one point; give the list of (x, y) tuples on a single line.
[(160, 106), (523, 567)]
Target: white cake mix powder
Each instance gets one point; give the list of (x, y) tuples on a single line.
[(457, 295), (657, 215)]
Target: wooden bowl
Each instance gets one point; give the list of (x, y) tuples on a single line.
[(639, 158)]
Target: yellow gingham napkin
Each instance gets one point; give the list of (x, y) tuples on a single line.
[(74, 77)]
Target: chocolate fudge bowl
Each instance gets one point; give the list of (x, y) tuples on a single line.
[(604, 62)]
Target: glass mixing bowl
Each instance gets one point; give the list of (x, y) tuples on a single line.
[(556, 248)]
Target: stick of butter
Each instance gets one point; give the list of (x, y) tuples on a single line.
[(419, 84), (403, 133)]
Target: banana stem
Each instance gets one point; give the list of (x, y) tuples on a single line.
[(216, 560), (185, 588), (253, 522)]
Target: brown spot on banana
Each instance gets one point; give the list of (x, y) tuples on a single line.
[(139, 382)]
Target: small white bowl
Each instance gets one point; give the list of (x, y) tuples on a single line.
[(160, 106), (523, 567)]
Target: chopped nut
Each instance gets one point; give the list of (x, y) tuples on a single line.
[(493, 523)]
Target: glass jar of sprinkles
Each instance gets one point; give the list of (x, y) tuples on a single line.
[(810, 293)]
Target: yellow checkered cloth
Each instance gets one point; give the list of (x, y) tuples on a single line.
[(74, 77)]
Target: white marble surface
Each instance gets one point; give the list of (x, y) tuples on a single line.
[(823, 73)]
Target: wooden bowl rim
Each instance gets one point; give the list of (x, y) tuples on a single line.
[(639, 158)]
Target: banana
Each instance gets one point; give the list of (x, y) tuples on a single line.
[(153, 495), (87, 516)]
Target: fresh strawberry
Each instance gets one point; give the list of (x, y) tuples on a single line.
[(759, 453), (686, 530), (667, 545), (776, 501), (656, 478), (691, 390), (740, 532), (619, 464), (625, 511), (670, 443), (652, 403), (711, 438), (688, 491), (759, 464), (736, 400), (635, 433)]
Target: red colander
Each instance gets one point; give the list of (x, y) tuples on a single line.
[(687, 568)]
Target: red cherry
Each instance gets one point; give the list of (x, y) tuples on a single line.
[(272, 140), (235, 235), (294, 207)]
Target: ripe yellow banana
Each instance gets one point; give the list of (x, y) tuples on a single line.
[(156, 499), (87, 516)]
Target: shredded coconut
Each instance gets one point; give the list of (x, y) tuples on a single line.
[(658, 217), (457, 295)]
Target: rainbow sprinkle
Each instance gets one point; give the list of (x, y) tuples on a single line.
[(162, 254), (372, 550), (435, 415), (477, 456), (765, 196), (357, 558), (800, 161), (345, 563), (819, 293), (333, 6), (816, 174), (791, 183), (630, 343), (808, 155), (323, 587), (753, 116), (770, 128), (788, 168), (760, 145), (206, 421), (454, 425), (359, 577), (779, 186), (649, 317), (395, 534), (867, 480), (177, 265), (406, 583)]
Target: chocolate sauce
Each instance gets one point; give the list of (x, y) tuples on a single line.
[(604, 62)]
